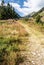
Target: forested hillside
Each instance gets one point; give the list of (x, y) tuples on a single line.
[(7, 12), (21, 40)]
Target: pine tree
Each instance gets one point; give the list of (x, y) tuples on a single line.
[(7, 12), (2, 4)]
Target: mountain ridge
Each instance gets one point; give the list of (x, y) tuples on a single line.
[(34, 13)]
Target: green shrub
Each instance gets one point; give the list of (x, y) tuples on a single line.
[(26, 19), (38, 17)]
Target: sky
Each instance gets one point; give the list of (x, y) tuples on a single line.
[(25, 7)]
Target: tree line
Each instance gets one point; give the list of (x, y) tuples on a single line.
[(7, 12)]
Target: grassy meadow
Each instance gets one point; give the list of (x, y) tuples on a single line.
[(15, 40), (12, 39)]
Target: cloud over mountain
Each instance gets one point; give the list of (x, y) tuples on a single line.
[(28, 6)]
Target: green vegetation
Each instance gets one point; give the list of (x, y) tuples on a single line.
[(38, 13), (12, 39), (7, 12), (8, 46), (26, 19), (38, 17), (38, 20), (18, 39)]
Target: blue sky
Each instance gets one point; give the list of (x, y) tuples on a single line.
[(20, 2), (24, 7)]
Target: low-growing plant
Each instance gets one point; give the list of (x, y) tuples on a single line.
[(19, 60), (38, 17), (26, 19)]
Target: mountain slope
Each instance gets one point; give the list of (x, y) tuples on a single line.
[(21, 42), (41, 11), (33, 14), (7, 12)]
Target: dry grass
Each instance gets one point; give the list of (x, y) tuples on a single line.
[(35, 48), (13, 36), (20, 39)]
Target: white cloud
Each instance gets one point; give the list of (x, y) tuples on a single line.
[(29, 6), (33, 5), (24, 11), (15, 5), (38, 3)]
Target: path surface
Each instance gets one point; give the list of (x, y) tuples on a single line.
[(35, 47)]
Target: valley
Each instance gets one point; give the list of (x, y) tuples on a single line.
[(21, 42)]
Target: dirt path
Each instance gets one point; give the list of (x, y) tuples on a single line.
[(35, 47)]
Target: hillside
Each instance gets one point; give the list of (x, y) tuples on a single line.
[(22, 41), (40, 12), (8, 12), (33, 14)]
